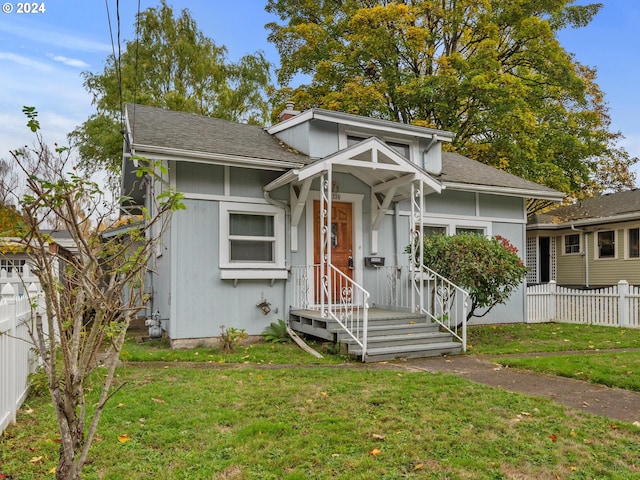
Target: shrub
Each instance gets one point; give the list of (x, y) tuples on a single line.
[(276, 332), (488, 268), (231, 337)]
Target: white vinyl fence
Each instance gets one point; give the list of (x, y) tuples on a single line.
[(617, 306), (17, 358)]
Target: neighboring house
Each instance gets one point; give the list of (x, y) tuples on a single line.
[(254, 240), (594, 242), (15, 261)]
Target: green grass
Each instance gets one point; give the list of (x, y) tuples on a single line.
[(324, 422), (256, 353), (548, 337), (620, 370)]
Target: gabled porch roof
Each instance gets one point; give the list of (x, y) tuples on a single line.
[(374, 163), (390, 176)]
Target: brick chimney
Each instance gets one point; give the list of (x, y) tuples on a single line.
[(288, 112)]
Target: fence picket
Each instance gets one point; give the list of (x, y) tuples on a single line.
[(17, 359), (618, 305)]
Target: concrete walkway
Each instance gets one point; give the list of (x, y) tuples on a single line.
[(614, 403)]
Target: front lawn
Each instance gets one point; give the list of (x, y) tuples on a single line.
[(158, 350), (548, 337), (248, 422)]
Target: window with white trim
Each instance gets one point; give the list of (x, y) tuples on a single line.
[(12, 265), (633, 243), (476, 230), (434, 229), (251, 236), (572, 243), (607, 244)]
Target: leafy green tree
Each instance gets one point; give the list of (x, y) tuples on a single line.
[(90, 296), (488, 268), (172, 65), (492, 71)]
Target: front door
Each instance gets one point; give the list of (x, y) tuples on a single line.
[(341, 241)]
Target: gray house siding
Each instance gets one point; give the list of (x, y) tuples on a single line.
[(200, 300)]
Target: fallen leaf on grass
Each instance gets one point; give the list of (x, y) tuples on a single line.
[(614, 426), (377, 436), (375, 452), (419, 466), (120, 405), (53, 469), (158, 400), (124, 438), (553, 437), (35, 459), (636, 424)]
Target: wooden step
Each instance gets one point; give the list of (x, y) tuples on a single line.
[(401, 339), (401, 329), (380, 354)]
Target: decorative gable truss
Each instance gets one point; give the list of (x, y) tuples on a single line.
[(388, 173)]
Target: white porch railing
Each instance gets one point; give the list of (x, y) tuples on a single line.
[(389, 288), (17, 358), (444, 302), (618, 305), (335, 295)]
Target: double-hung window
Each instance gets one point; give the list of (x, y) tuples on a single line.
[(607, 244), (572, 243), (633, 243), (251, 240)]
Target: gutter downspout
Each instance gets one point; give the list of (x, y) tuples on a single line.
[(287, 246), (586, 253)]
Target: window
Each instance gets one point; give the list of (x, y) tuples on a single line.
[(607, 244), (434, 230), (12, 265), (477, 231), (572, 243), (251, 237), (401, 148), (633, 241)]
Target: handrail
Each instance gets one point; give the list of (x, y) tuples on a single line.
[(347, 303), (444, 302)]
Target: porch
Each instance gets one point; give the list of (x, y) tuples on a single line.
[(403, 314)]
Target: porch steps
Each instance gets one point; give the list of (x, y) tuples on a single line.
[(391, 335)]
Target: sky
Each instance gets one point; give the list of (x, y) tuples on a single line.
[(43, 54)]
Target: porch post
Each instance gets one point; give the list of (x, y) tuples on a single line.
[(416, 230), (325, 241)]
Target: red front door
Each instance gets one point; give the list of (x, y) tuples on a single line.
[(341, 241)]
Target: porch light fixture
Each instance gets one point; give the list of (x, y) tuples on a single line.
[(264, 306)]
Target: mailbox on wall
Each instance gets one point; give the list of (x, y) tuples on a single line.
[(374, 262)]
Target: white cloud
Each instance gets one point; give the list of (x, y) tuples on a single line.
[(71, 62), (25, 61), (45, 34)]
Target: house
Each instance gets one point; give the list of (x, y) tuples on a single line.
[(308, 220), (15, 264), (594, 242)]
